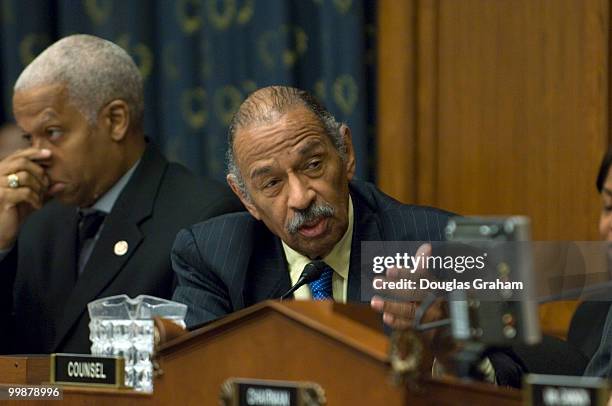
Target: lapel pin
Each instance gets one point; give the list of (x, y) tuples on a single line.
[(121, 248)]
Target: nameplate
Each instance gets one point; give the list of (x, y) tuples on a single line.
[(88, 370), (557, 390), (257, 392)]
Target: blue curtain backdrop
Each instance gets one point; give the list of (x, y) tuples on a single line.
[(200, 58)]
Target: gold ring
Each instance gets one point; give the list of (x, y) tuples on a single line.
[(13, 181)]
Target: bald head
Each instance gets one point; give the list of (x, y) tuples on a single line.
[(266, 106), (94, 71)]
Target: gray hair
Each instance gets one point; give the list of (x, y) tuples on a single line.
[(95, 71), (263, 107)]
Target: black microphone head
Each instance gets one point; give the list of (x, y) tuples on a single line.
[(313, 271)]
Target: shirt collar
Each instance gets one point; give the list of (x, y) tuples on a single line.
[(107, 201), (338, 258)]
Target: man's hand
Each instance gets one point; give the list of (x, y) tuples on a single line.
[(400, 314), (16, 203)]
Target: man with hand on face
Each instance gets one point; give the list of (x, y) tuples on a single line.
[(91, 209), (292, 165)]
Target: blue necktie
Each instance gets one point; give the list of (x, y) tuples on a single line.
[(321, 289)]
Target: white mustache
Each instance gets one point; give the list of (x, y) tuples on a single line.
[(309, 215)]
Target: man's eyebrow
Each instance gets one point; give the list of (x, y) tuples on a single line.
[(309, 147), (48, 115), (261, 171), (607, 191)]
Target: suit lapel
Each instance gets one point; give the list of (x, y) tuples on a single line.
[(64, 261), (365, 228), (59, 276), (133, 206), (268, 273)]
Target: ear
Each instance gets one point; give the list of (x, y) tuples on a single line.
[(233, 183), (349, 164), (116, 117)]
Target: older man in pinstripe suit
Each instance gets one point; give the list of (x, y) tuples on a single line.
[(292, 165)]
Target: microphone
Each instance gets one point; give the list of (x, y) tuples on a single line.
[(311, 273)]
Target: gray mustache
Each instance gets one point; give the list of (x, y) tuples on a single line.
[(309, 215)]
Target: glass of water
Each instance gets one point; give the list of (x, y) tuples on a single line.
[(122, 326)]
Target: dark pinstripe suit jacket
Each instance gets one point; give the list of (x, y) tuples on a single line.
[(233, 261)]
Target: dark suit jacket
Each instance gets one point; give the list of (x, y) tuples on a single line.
[(40, 294), (587, 326), (591, 332), (234, 261)]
